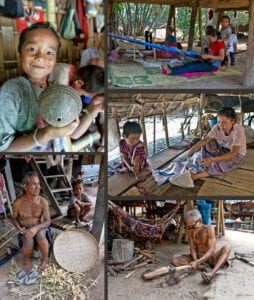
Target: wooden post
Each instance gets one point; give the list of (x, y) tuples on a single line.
[(200, 29), (189, 206), (194, 10), (99, 211), (142, 123), (114, 112), (154, 134), (171, 14), (201, 107), (220, 14), (9, 181), (248, 78), (165, 122), (218, 219)]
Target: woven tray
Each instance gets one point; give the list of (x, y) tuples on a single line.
[(76, 250), (59, 105)]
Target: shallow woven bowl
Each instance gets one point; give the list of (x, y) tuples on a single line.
[(59, 105), (76, 250)]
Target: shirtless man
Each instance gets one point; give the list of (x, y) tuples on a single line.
[(202, 247), (31, 218), (80, 205)]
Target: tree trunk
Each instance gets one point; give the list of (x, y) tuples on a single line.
[(171, 14), (248, 78), (192, 25)]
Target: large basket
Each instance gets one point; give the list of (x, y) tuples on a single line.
[(59, 105), (76, 250)]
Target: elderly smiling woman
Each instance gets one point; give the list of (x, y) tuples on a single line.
[(224, 148)]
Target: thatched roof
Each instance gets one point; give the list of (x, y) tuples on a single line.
[(129, 105), (218, 4)]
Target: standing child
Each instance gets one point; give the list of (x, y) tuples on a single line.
[(225, 34), (38, 47), (132, 150)]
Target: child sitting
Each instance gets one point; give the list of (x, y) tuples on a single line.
[(80, 205), (132, 150)]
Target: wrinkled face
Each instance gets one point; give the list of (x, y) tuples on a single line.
[(33, 187), (38, 54), (225, 123), (192, 225), (211, 39), (78, 190), (133, 138), (224, 23)]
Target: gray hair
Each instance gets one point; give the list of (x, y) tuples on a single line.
[(26, 179), (195, 214)]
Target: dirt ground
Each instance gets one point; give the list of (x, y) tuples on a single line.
[(235, 283)]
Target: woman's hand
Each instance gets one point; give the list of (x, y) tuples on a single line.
[(207, 161)]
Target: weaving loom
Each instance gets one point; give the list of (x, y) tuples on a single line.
[(155, 46), (143, 227)]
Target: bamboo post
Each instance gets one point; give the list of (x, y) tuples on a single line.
[(200, 29), (201, 107), (154, 133), (189, 206), (165, 122), (218, 219), (248, 79), (115, 114), (194, 10), (142, 123)]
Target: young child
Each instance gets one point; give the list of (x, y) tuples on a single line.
[(232, 47), (132, 150), (225, 34), (80, 205), (88, 81), (38, 47), (170, 39)]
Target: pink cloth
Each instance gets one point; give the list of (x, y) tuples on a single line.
[(193, 74)]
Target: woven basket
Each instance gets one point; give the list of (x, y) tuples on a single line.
[(76, 250), (59, 105)]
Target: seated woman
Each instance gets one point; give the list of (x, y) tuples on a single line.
[(132, 150), (224, 148), (208, 62)]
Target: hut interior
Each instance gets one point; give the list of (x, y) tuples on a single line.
[(54, 12), (171, 123)]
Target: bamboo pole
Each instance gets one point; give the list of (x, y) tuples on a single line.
[(194, 10), (142, 123), (201, 107), (165, 122), (218, 219), (154, 133), (115, 115), (200, 29)]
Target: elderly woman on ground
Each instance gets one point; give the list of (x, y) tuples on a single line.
[(224, 148)]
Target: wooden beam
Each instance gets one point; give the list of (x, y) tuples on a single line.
[(115, 115), (99, 212), (154, 134), (194, 10), (248, 78), (165, 122), (200, 29), (143, 126), (201, 107)]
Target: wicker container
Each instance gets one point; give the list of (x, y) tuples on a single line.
[(76, 250), (59, 105)]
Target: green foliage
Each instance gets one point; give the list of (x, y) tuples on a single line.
[(134, 19)]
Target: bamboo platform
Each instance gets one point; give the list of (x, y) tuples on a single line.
[(241, 179), (120, 183)]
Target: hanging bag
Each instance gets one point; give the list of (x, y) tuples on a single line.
[(68, 30), (11, 8)]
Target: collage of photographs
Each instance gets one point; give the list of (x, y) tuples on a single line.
[(126, 149)]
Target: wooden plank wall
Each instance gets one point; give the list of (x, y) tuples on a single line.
[(9, 38)]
